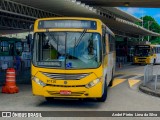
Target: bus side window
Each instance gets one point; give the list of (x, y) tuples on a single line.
[(151, 51), (111, 43), (4, 46), (104, 40), (158, 49), (107, 43)]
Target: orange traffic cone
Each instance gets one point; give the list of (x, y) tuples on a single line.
[(10, 84)]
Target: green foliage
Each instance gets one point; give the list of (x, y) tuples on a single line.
[(151, 24)]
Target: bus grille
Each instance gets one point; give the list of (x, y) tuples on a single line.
[(66, 85), (57, 93), (58, 76)]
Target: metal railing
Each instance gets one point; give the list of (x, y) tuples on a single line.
[(151, 80), (156, 78), (148, 74)]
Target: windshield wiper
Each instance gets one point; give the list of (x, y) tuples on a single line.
[(81, 36), (52, 36)]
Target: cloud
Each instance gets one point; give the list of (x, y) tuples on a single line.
[(134, 11)]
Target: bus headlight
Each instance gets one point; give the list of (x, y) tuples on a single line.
[(38, 81), (93, 83)]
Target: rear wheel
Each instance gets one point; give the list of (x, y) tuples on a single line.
[(104, 96)]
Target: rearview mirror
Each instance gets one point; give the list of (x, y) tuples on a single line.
[(31, 27)]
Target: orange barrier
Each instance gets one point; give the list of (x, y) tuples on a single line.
[(10, 84)]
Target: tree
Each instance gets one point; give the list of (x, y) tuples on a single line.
[(151, 24)]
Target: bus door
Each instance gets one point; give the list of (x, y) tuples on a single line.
[(108, 56)]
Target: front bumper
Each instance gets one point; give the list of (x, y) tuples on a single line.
[(76, 92), (142, 60)]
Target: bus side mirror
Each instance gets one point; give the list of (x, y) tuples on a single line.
[(31, 27), (29, 37)]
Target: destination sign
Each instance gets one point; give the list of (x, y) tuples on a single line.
[(79, 24)]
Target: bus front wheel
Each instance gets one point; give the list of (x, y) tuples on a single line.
[(104, 96)]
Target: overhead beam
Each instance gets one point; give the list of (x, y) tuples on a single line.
[(11, 7), (123, 3), (15, 15), (14, 22)]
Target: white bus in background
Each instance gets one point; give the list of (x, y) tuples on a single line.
[(156, 49)]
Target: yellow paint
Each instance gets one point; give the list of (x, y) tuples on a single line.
[(117, 82), (133, 82), (99, 24), (145, 60)]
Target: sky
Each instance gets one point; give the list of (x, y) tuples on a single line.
[(139, 12)]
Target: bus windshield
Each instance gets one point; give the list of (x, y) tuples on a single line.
[(67, 50), (142, 51)]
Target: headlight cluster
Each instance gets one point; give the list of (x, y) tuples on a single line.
[(38, 81), (93, 83)]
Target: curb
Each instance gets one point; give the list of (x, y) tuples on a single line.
[(148, 91)]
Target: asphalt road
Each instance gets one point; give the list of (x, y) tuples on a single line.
[(120, 98)]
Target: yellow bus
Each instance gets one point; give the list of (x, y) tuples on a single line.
[(72, 58), (144, 54)]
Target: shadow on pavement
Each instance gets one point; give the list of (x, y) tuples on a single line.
[(73, 103)]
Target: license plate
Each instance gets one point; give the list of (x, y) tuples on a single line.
[(65, 92)]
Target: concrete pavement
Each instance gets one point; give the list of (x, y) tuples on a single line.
[(121, 97)]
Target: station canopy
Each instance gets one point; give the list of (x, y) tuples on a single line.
[(123, 3), (117, 20)]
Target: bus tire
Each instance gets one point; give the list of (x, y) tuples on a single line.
[(49, 99), (154, 62), (104, 96)]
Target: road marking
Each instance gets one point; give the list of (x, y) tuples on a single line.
[(117, 82), (132, 82), (131, 79)]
